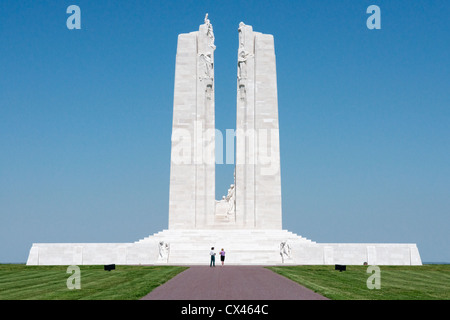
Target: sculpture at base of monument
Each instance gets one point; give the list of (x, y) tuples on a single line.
[(285, 251), (231, 199), (226, 208), (164, 249)]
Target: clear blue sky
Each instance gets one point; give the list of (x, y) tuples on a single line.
[(85, 118)]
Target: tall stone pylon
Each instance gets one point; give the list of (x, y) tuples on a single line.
[(257, 188), (258, 178), (192, 170)]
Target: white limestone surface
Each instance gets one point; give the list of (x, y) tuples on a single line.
[(242, 247), (192, 170), (258, 182)]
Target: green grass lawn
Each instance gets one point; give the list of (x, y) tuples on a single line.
[(427, 282), (21, 282)]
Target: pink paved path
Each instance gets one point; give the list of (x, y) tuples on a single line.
[(231, 283)]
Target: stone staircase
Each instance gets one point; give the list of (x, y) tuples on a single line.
[(242, 246)]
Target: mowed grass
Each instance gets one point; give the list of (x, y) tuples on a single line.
[(427, 282), (21, 282)]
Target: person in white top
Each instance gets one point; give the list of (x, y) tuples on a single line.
[(213, 257)]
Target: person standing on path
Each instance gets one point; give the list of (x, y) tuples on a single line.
[(222, 256), (213, 257)]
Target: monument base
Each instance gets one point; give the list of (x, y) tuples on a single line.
[(242, 247)]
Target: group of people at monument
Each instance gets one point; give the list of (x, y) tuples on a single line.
[(212, 253)]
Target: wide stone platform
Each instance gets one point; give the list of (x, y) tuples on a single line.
[(243, 247)]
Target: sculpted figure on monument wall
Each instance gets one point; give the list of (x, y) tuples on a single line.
[(231, 199), (243, 55), (210, 33), (242, 64), (241, 35), (207, 65), (232, 196), (163, 251), (206, 58), (285, 251)]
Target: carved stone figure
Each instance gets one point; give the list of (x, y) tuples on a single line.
[(232, 196), (210, 33), (231, 199), (206, 65), (241, 35), (242, 64), (164, 249), (243, 55), (285, 251)]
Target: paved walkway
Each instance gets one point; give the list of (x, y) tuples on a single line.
[(231, 283)]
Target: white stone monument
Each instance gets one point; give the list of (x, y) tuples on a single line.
[(247, 221), (192, 170)]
